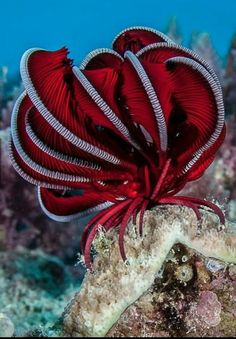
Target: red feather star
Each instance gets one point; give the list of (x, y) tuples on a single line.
[(120, 134)]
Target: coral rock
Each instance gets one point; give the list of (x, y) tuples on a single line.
[(207, 311), (115, 285)]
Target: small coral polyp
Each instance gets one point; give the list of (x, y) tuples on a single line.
[(129, 128)]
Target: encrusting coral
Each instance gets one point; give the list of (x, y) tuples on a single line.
[(114, 285)]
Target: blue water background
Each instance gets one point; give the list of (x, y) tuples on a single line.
[(86, 25)]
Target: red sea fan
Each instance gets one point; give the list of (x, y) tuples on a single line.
[(122, 133)]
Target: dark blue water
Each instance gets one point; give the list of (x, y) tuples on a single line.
[(85, 25)]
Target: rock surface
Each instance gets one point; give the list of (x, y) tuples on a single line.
[(197, 308), (115, 286)]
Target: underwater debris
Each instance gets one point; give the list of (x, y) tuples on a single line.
[(215, 265)]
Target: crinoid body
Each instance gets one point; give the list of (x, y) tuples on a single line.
[(118, 135)]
